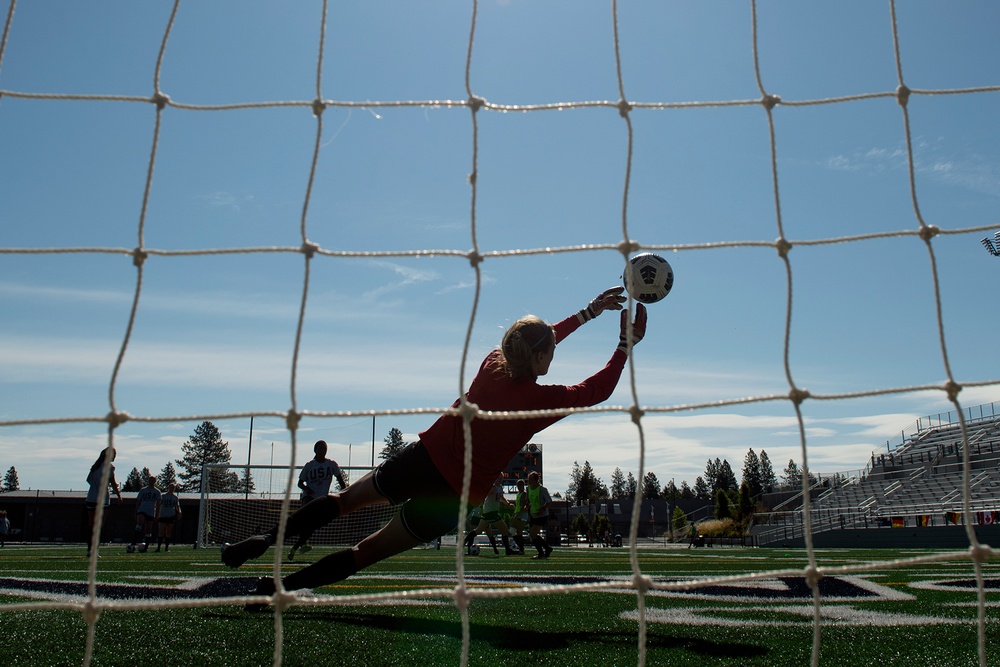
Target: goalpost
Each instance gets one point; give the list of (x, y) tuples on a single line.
[(227, 516)]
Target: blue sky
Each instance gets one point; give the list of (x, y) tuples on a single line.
[(214, 334)]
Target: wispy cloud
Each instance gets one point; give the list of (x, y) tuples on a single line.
[(406, 275), (969, 169)]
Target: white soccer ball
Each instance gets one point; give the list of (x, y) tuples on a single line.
[(648, 277), (143, 547), (474, 550), (129, 548)]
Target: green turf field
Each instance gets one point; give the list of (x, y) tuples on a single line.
[(923, 614)]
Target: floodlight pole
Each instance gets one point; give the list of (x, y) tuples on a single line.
[(246, 487)]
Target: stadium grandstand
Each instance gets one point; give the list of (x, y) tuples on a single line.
[(914, 483)]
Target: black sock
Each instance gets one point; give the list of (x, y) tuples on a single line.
[(309, 517), (539, 544), (327, 570)]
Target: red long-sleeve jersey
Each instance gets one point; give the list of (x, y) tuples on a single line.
[(495, 442)]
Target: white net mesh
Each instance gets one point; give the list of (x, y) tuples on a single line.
[(301, 254), (227, 516)]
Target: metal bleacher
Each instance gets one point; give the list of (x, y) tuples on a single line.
[(919, 481)]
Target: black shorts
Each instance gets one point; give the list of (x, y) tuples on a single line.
[(540, 521), (167, 519), (429, 506)]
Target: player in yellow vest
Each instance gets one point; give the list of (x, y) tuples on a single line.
[(538, 501)]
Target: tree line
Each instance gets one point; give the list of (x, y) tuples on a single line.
[(757, 473), (206, 446)]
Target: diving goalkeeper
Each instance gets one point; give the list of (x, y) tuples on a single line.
[(425, 477)]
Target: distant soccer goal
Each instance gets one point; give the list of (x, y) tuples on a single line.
[(229, 515)]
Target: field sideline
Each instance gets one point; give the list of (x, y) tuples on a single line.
[(922, 614)]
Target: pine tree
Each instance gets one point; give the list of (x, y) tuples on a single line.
[(589, 486), (631, 486), (727, 478), (670, 491), (246, 481), (393, 443), (574, 483), (702, 491), (10, 480), (680, 519), (751, 473), (618, 488), (792, 476), (650, 486), (686, 492), (746, 505), (167, 476), (768, 481), (206, 446), (134, 481), (711, 476), (723, 509)]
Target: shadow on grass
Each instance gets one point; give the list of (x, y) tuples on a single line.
[(527, 640)]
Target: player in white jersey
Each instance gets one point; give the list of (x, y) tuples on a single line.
[(147, 509), (170, 512), (315, 480), (94, 492)]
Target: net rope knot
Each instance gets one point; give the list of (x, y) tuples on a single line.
[(160, 100), (770, 101), (116, 418), (783, 246), (476, 103), (642, 583), (309, 249), (797, 396), (292, 420), (902, 95), (139, 257), (475, 259), (927, 232), (636, 412), (283, 600), (91, 612), (467, 411), (953, 388), (980, 553), (628, 247), (318, 107), (624, 108), (812, 576), (462, 597)]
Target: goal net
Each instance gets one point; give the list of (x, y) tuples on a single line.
[(118, 199), (227, 516)]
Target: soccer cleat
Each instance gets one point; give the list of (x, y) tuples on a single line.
[(235, 555), (291, 555), (305, 548), (265, 586)]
